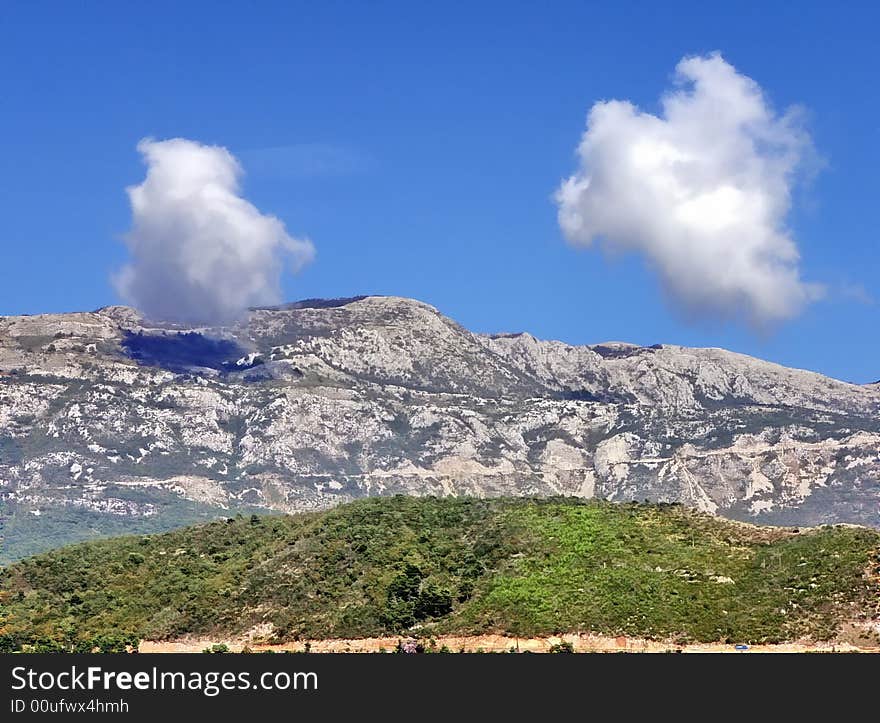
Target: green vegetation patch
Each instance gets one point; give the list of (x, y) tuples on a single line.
[(427, 565), (662, 572)]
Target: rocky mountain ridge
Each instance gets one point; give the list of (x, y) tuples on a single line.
[(111, 423)]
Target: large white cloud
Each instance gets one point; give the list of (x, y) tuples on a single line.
[(702, 191), (199, 251)]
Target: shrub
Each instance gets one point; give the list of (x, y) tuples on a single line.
[(216, 648)]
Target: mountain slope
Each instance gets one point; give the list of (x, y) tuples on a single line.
[(392, 565), (111, 423)]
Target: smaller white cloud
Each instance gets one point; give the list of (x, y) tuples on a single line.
[(702, 191), (199, 251)]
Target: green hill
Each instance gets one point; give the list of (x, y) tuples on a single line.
[(383, 565)]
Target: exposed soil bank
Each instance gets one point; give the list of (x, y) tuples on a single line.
[(500, 643)]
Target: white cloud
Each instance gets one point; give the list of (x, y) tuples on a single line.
[(199, 251), (702, 191)]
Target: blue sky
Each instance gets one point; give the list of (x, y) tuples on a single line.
[(419, 146)]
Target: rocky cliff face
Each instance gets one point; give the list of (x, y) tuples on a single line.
[(109, 423)]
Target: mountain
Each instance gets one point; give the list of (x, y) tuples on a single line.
[(111, 424), (516, 566)]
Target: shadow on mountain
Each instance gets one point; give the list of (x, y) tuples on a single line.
[(182, 352), (313, 304), (10, 451)]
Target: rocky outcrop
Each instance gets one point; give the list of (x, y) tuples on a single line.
[(108, 421)]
